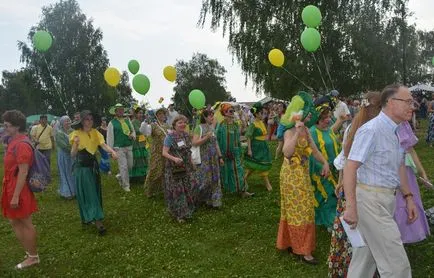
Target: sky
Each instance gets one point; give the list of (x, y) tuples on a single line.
[(157, 33)]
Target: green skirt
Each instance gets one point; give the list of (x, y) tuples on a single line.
[(89, 195), (261, 157), (140, 156), (232, 173)]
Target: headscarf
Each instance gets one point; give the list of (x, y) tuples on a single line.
[(300, 107), (60, 128), (62, 135)]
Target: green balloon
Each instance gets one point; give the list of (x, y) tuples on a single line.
[(311, 16), (133, 66), (432, 61), (42, 40), (197, 99), (141, 84), (310, 39)]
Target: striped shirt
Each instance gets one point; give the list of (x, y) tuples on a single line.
[(377, 147)]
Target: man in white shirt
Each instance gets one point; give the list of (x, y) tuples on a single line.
[(120, 137), (374, 170), (341, 109), (172, 114)]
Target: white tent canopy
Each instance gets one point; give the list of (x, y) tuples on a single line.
[(422, 88), (270, 99)]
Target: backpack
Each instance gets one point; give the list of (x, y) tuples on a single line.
[(39, 175)]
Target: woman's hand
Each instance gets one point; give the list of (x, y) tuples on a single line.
[(299, 127), (114, 155), (76, 140), (207, 136), (222, 162), (339, 189), (425, 181), (178, 161), (249, 153), (325, 170), (14, 202)]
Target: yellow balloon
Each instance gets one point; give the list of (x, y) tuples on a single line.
[(169, 73), (112, 76), (276, 57)]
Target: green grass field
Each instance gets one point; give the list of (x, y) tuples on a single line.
[(143, 241)]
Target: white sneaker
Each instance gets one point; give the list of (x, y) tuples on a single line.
[(126, 189)]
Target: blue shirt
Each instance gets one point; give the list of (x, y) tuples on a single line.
[(377, 147)]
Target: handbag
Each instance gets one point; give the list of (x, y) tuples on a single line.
[(195, 151), (179, 169)]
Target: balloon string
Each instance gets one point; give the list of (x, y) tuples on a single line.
[(327, 67), (320, 72), (55, 86), (186, 106), (310, 88)]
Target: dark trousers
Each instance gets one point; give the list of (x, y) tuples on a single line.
[(47, 154)]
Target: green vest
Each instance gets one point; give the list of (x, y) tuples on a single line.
[(120, 139)]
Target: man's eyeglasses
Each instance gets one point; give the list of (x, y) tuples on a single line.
[(409, 102)]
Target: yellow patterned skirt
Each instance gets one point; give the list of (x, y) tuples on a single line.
[(297, 217)]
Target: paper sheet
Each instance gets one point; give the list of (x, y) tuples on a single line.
[(354, 236)]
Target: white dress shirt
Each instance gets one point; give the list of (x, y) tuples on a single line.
[(377, 147)]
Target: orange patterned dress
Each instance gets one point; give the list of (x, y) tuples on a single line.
[(297, 217)]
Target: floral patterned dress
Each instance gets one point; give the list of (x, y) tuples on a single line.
[(297, 217), (340, 247), (430, 132), (209, 189), (180, 180), (154, 179)]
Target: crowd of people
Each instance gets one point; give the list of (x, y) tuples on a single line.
[(351, 159)]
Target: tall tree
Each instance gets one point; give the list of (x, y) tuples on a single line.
[(71, 71), (20, 90), (426, 47), (200, 73), (358, 48)]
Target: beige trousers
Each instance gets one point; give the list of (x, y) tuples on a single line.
[(125, 163), (384, 250)]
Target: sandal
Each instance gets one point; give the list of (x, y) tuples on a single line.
[(312, 261), (25, 264), (180, 220), (246, 194), (101, 230)]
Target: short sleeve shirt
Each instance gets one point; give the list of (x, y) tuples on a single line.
[(88, 140), (44, 137)]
